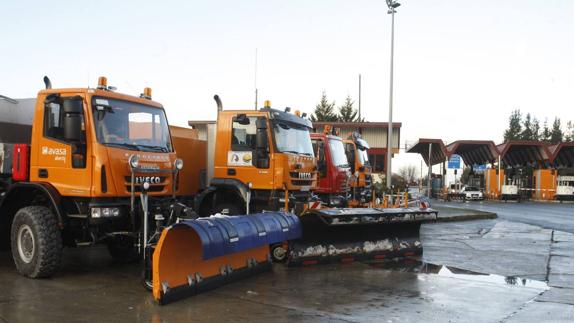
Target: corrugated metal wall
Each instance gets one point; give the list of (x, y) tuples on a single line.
[(376, 137)]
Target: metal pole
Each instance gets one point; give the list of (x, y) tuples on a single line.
[(256, 79), (390, 125), (430, 171), (359, 97), (499, 174)]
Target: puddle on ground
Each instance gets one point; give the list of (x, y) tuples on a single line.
[(411, 265)]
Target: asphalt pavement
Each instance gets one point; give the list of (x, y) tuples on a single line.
[(471, 271), (548, 215)]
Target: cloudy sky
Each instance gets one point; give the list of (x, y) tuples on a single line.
[(460, 66)]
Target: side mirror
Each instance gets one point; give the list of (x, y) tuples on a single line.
[(73, 108), (261, 144), (321, 165), (350, 152), (242, 119)]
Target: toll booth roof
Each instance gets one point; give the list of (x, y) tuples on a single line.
[(562, 154), (521, 153), (439, 153), (474, 152)]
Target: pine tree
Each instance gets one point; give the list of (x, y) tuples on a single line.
[(556, 135), (545, 136), (346, 111), (514, 127), (569, 136), (535, 129), (526, 133), (324, 110)]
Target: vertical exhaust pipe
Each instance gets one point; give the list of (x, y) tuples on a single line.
[(218, 102), (47, 83)]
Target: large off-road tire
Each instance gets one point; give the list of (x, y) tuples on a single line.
[(228, 209), (36, 242), (123, 249)]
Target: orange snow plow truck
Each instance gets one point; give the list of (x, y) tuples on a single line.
[(268, 160), (83, 166)]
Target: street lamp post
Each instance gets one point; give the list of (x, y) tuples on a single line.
[(392, 4)]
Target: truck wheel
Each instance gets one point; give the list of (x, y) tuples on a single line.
[(36, 242), (278, 253), (227, 209), (123, 249)]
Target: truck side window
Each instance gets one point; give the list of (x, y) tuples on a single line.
[(53, 125), (243, 134), (54, 116)]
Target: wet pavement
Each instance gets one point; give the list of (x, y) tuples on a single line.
[(472, 271), (549, 215)]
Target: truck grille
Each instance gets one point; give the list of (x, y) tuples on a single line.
[(157, 183), (302, 178)]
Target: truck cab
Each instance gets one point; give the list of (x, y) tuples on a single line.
[(76, 181), (257, 160), (356, 150), (334, 172)]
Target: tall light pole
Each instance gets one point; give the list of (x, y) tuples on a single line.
[(392, 4)]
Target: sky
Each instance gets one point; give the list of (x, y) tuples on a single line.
[(461, 66)]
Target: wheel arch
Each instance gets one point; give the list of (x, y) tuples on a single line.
[(27, 194), (226, 189)]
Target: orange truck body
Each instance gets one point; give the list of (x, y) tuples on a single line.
[(78, 172), (236, 172)]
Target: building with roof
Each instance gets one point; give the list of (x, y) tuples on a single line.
[(375, 133)]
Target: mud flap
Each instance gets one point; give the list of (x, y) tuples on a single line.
[(355, 234), (197, 255)]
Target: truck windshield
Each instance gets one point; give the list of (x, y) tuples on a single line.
[(338, 153), (292, 139), (131, 125)]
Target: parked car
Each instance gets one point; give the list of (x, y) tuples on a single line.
[(472, 193)]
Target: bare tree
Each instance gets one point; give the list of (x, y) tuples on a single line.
[(408, 173)]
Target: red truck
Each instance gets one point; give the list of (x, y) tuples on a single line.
[(333, 184)]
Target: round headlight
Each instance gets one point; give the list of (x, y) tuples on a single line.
[(179, 164), (134, 161)]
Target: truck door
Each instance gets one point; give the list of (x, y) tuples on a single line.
[(62, 148), (242, 158)]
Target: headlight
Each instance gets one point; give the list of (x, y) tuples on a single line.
[(134, 161), (105, 212), (179, 164), (335, 201)]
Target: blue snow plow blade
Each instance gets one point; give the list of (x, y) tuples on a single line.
[(194, 256), (222, 235)]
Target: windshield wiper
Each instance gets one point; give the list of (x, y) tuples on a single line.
[(156, 148), (122, 145), (296, 152)]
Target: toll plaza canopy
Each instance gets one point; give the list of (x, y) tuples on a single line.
[(474, 152), (563, 154), (514, 153), (438, 154), (524, 153)]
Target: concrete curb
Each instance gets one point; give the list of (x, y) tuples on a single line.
[(467, 217), (451, 214)]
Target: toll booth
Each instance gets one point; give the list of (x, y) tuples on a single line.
[(476, 154), (563, 163), (493, 179), (527, 169)]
